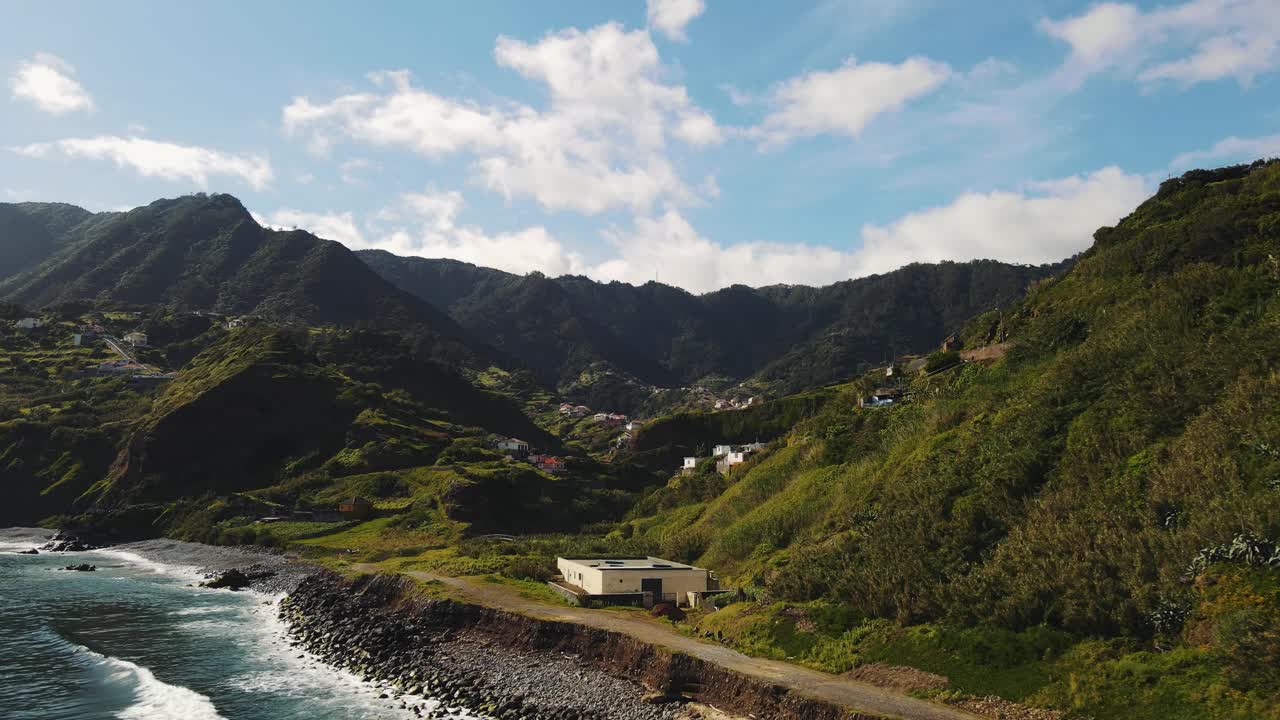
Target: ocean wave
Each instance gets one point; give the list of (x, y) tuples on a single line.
[(185, 572), (15, 539), (153, 699), (292, 671), (203, 610)]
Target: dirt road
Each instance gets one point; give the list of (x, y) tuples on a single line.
[(849, 693)]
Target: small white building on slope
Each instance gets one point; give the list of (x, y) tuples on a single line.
[(647, 579)]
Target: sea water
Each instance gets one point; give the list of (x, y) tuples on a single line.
[(137, 640)]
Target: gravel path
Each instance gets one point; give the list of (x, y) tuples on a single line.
[(831, 688)]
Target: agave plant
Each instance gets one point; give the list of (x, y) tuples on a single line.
[(1245, 548)]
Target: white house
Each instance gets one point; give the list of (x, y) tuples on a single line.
[(30, 323), (634, 426), (721, 450), (735, 455), (690, 463), (648, 579), (513, 446), (136, 339)]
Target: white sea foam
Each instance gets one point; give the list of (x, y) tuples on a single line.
[(185, 572), (281, 672), (291, 671), (15, 539), (153, 699), (202, 610)]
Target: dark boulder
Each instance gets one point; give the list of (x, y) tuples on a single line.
[(233, 579), (65, 543), (82, 567)]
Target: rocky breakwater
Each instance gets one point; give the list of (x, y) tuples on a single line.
[(515, 667)]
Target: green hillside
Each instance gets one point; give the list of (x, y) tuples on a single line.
[(206, 253), (267, 419), (33, 233), (1091, 483)]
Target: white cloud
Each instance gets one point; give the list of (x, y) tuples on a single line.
[(670, 17), (46, 81), (1221, 56), (1188, 43), (601, 142), (437, 210), (425, 225), (1232, 149), (667, 248), (151, 158), (845, 100), (406, 117), (1099, 37), (351, 169), (330, 226), (1046, 222)]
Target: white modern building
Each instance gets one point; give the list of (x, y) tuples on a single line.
[(646, 579), (513, 446)]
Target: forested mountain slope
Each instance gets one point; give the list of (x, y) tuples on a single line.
[(786, 337), (1087, 482), (33, 232), (206, 253)]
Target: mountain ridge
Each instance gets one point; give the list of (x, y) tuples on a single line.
[(206, 253), (782, 337)]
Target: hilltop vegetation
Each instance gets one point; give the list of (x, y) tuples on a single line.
[(1068, 486), (206, 253), (611, 344)]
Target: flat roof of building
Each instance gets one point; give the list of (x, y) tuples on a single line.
[(630, 563)]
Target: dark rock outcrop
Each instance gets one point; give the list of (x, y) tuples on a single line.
[(235, 578), (61, 542)]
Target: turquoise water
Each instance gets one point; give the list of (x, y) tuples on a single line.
[(135, 641)]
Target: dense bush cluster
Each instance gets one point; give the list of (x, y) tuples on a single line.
[(1068, 484)]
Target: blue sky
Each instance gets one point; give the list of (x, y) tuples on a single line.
[(698, 142)]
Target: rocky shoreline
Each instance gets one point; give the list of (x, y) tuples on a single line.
[(514, 667), (444, 659)]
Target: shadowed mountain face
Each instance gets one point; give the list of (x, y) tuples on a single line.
[(205, 253), (602, 343), (786, 337)]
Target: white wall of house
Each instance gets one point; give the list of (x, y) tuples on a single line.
[(678, 581)]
